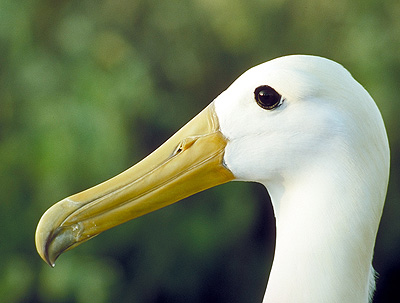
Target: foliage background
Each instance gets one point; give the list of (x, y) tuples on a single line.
[(87, 88)]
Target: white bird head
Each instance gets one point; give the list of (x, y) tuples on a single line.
[(300, 125), (319, 108)]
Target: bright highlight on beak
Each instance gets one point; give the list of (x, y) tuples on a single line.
[(189, 162)]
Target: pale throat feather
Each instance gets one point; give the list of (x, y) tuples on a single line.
[(324, 246)]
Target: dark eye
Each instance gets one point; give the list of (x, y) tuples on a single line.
[(267, 98)]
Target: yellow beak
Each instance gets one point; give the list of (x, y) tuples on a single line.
[(189, 162)]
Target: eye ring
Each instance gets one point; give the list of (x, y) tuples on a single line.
[(267, 98)]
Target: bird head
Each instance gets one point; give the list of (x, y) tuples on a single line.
[(273, 122)]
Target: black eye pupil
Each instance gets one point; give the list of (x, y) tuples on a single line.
[(266, 97)]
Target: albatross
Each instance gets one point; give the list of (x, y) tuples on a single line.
[(304, 128)]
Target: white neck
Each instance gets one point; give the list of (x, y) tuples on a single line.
[(326, 223)]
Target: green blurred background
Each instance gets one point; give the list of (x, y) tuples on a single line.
[(88, 88)]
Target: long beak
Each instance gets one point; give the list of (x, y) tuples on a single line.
[(189, 162)]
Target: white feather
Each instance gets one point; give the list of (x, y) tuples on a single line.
[(323, 155)]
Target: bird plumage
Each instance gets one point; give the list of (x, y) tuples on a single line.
[(323, 155)]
